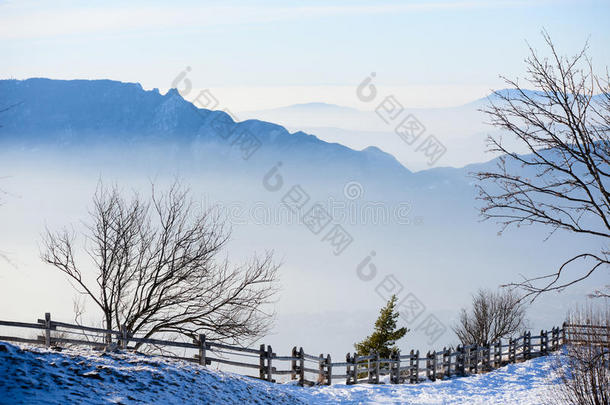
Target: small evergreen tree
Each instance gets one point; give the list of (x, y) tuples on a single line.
[(385, 335)]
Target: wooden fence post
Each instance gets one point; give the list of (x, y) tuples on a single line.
[(261, 362), (467, 359), (108, 334), (392, 367), (321, 369), (410, 372), (348, 369), (563, 334), (555, 338), (474, 354), (446, 362), (395, 368), (414, 367), (47, 332), (498, 354), (512, 351), (202, 347), (477, 358), (301, 367), (369, 374), (269, 364), (329, 370), (544, 343), (515, 341), (430, 365), (527, 345), (124, 337), (459, 360), (356, 359), (434, 365), (376, 368), (293, 364), (488, 361), (398, 367), (412, 355), (371, 378)]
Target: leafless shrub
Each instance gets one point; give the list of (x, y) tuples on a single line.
[(158, 271), (494, 315), (584, 368)]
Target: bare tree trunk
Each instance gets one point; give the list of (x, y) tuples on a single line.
[(108, 316)]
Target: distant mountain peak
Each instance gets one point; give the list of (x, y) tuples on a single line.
[(373, 149), (378, 154), (172, 93)]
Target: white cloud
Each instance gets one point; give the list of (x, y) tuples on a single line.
[(32, 20)]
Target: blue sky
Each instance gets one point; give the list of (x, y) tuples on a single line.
[(273, 53)]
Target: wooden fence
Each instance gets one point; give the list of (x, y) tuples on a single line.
[(309, 369)]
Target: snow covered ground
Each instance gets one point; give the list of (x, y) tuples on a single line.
[(31, 375)]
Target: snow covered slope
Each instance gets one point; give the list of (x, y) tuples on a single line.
[(33, 375), (38, 376)]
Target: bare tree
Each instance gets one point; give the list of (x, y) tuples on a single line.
[(562, 183), (584, 367), (157, 268), (494, 315)]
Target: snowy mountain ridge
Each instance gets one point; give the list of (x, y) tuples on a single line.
[(80, 112)]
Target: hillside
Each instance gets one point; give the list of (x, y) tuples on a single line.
[(34, 375)]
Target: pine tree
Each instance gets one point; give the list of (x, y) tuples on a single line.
[(385, 335)]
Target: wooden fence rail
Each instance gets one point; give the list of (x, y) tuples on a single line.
[(308, 369)]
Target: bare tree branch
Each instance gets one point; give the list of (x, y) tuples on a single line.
[(563, 181)]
